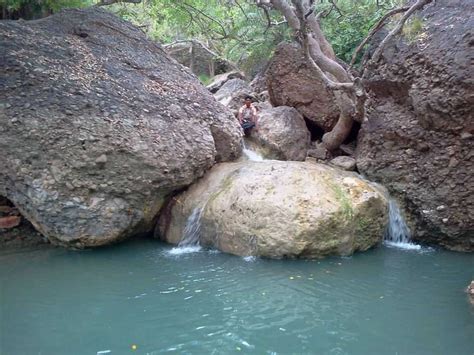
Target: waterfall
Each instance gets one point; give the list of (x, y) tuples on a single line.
[(192, 230), (397, 233), (250, 154), (189, 242)]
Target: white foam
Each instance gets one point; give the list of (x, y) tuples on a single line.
[(250, 258), (251, 155), (104, 352), (403, 245), (185, 250)]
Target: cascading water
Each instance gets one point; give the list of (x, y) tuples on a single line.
[(189, 243), (192, 230), (397, 233), (250, 154)]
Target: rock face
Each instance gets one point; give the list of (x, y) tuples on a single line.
[(280, 209), (282, 134), (418, 140), (292, 83), (98, 126), (232, 94)]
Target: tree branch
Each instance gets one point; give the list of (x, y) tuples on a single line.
[(203, 46), (110, 2), (374, 30), (398, 28), (224, 32)]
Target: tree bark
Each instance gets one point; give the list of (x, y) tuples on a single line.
[(349, 92)]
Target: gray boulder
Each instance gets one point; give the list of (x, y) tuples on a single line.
[(221, 79), (98, 126), (282, 134), (232, 94)]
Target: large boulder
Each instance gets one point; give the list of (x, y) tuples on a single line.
[(282, 134), (232, 94), (279, 209), (221, 79), (418, 140), (291, 82), (98, 126)]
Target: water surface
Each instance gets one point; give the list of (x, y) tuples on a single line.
[(385, 301)]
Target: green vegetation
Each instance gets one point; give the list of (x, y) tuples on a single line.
[(412, 28), (236, 30), (31, 9), (346, 28), (204, 79), (344, 200)]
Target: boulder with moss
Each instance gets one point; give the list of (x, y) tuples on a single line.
[(279, 209)]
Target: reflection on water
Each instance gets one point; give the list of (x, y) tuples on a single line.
[(140, 294)]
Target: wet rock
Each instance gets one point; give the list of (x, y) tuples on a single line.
[(470, 292), (421, 109), (280, 209), (282, 134), (142, 126), (292, 83)]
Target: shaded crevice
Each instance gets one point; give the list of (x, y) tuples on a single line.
[(315, 131), (352, 137), (16, 231)]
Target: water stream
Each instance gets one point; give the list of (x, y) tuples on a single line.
[(249, 153), (398, 233), (192, 233)]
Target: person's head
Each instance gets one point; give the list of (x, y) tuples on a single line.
[(248, 101)]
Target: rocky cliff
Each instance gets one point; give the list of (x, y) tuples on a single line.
[(98, 126), (418, 140)]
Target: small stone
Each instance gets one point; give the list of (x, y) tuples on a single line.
[(102, 159), (445, 220), (344, 162), (441, 208), (466, 135)]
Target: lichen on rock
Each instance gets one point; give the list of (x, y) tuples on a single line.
[(281, 209)]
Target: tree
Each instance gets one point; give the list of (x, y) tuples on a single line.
[(303, 19), (31, 9), (237, 31)]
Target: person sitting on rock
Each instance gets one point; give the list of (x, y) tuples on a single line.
[(248, 116)]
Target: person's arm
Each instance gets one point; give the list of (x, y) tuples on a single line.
[(239, 116)]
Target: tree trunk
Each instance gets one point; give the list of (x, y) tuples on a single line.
[(191, 57), (349, 92)]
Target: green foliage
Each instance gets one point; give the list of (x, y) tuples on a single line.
[(30, 9), (204, 79), (237, 31), (347, 29), (413, 27), (234, 29)]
